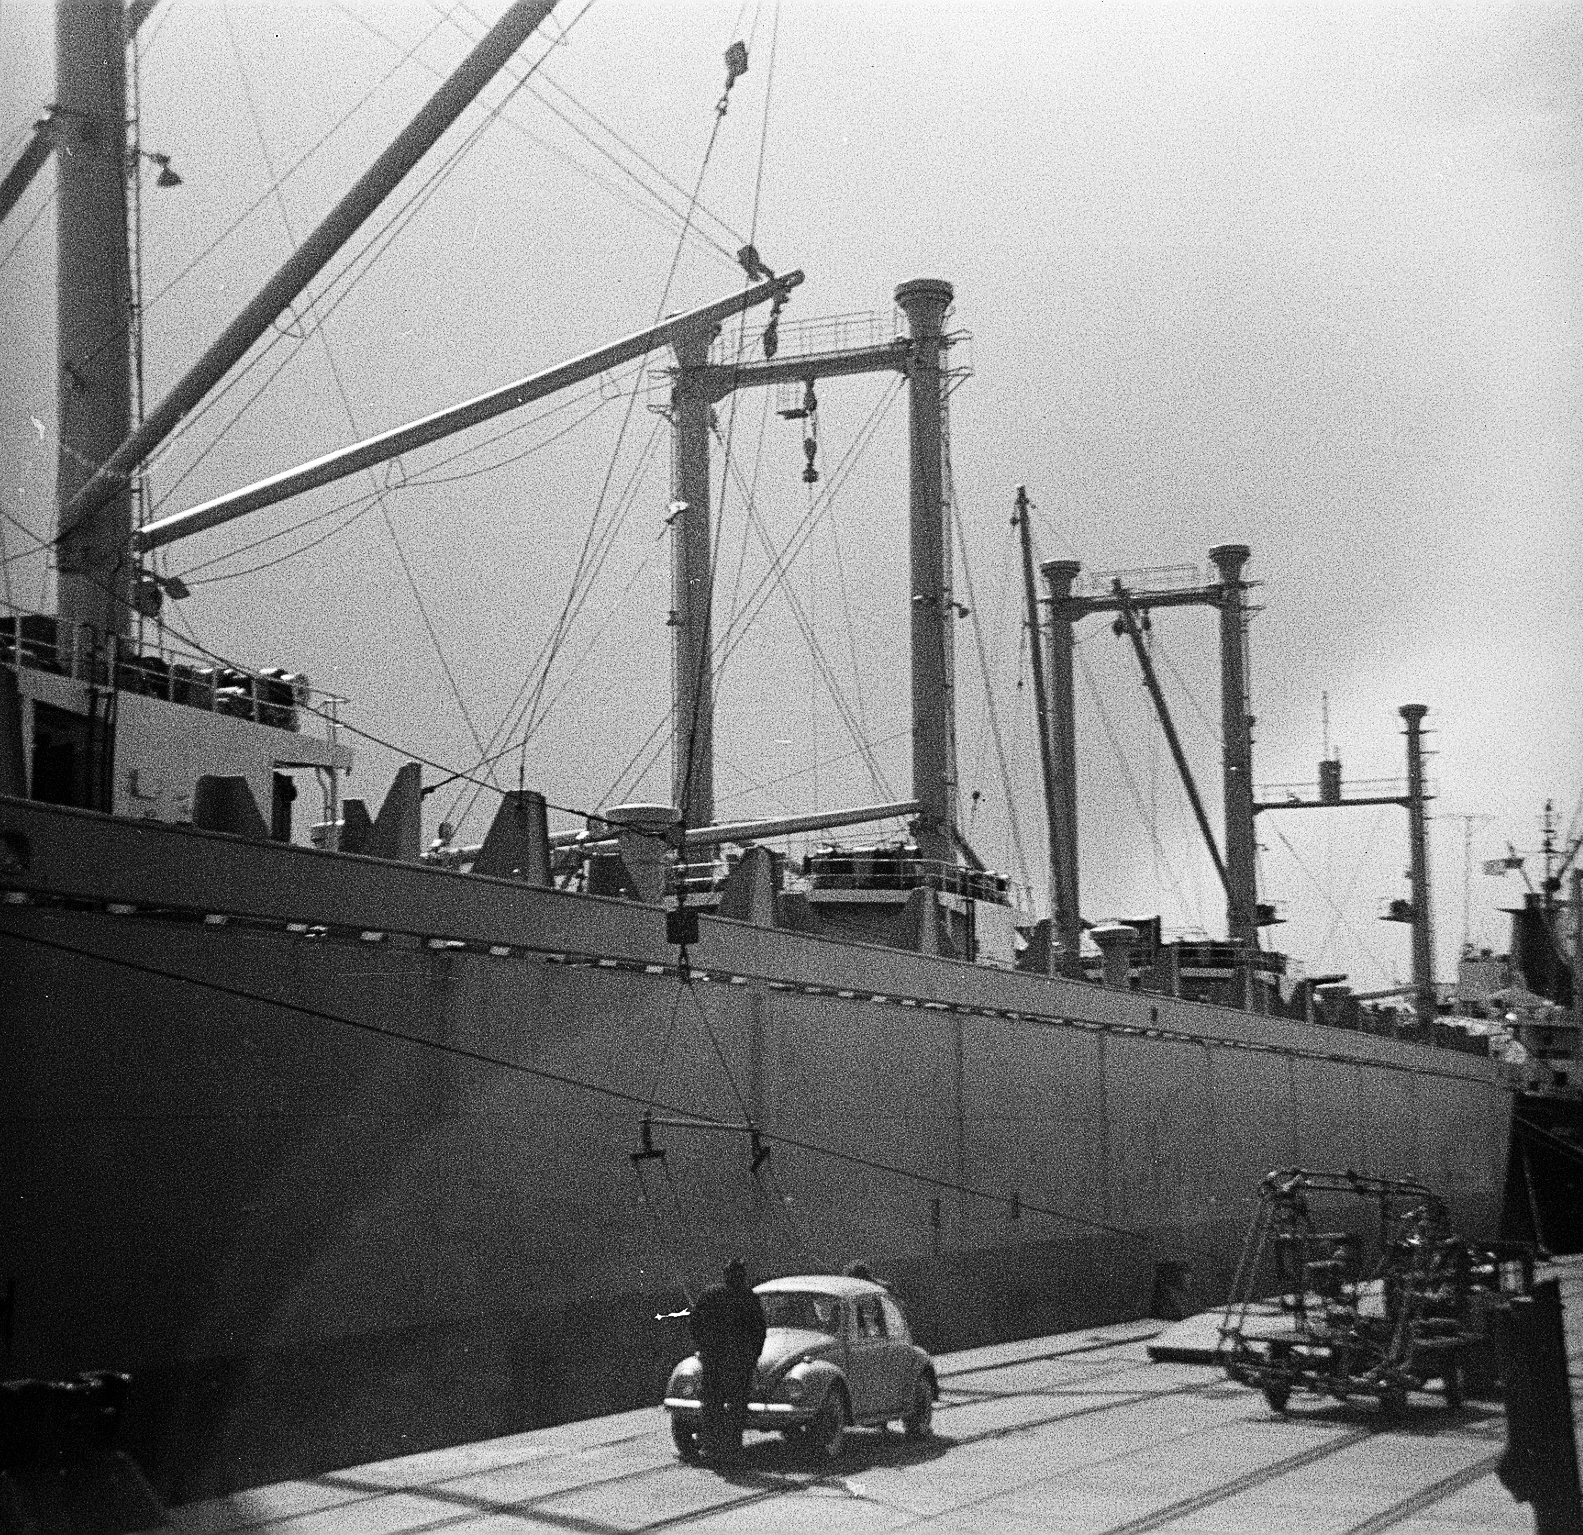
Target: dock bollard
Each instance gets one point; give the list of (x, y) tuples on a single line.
[(1540, 1464)]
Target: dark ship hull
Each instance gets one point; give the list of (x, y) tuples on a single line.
[(333, 1153)]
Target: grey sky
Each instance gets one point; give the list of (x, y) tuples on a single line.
[(1303, 276)]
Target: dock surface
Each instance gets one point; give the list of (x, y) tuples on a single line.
[(1078, 1432)]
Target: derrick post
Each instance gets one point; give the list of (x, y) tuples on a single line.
[(1058, 578), (1418, 870), (1041, 700), (94, 400), (692, 584), (1236, 728), (925, 301)]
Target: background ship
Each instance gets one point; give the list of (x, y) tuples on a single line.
[(342, 1149)]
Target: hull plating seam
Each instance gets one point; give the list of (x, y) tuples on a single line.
[(320, 933)]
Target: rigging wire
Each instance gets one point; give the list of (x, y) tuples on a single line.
[(350, 521), (414, 482), (997, 627), (991, 708), (757, 784), (601, 1090), (537, 91), (800, 535), (1341, 917), (357, 267), (1189, 905), (527, 712), (1368, 847), (291, 170), (188, 638), (737, 631), (1162, 652), (702, 686), (752, 497), (582, 576), (43, 208), (853, 721), (428, 477), (345, 398)]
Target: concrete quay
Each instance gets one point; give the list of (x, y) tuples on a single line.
[(1080, 1432)]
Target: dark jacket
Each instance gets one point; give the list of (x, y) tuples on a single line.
[(728, 1320)]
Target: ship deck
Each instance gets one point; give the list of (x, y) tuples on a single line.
[(1078, 1432)]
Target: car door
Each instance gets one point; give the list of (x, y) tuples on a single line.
[(867, 1356)]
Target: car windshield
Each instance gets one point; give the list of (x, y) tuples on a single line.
[(801, 1308)]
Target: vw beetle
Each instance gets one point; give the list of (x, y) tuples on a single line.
[(837, 1353)]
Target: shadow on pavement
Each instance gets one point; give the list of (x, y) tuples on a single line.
[(781, 1460)]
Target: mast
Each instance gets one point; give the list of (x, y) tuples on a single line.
[(1418, 869), (1059, 576), (924, 301), (1041, 703), (1236, 729), (692, 584), (94, 397)]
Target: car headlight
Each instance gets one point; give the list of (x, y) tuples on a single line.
[(686, 1380), (794, 1388)]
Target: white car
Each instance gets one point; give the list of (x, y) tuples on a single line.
[(837, 1353)]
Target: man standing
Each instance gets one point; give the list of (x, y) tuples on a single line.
[(728, 1326)]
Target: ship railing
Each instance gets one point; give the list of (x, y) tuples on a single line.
[(883, 870), (1140, 578), (271, 696), (1370, 788), (1216, 954), (702, 878)]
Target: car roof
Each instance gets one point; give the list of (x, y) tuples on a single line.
[(820, 1284)]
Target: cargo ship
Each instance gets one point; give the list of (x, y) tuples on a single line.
[(346, 1142)]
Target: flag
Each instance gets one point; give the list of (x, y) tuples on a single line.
[(1494, 865)]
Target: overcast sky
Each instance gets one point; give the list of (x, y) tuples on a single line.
[(1304, 277)]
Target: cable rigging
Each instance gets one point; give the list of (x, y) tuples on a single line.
[(1188, 905), (714, 245), (581, 575), (1330, 901), (373, 249), (969, 610), (852, 720), (412, 482), (345, 398), (765, 588)]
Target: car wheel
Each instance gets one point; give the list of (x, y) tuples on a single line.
[(1277, 1395), (1452, 1381), (685, 1437), (918, 1421), (1393, 1403), (827, 1431)]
